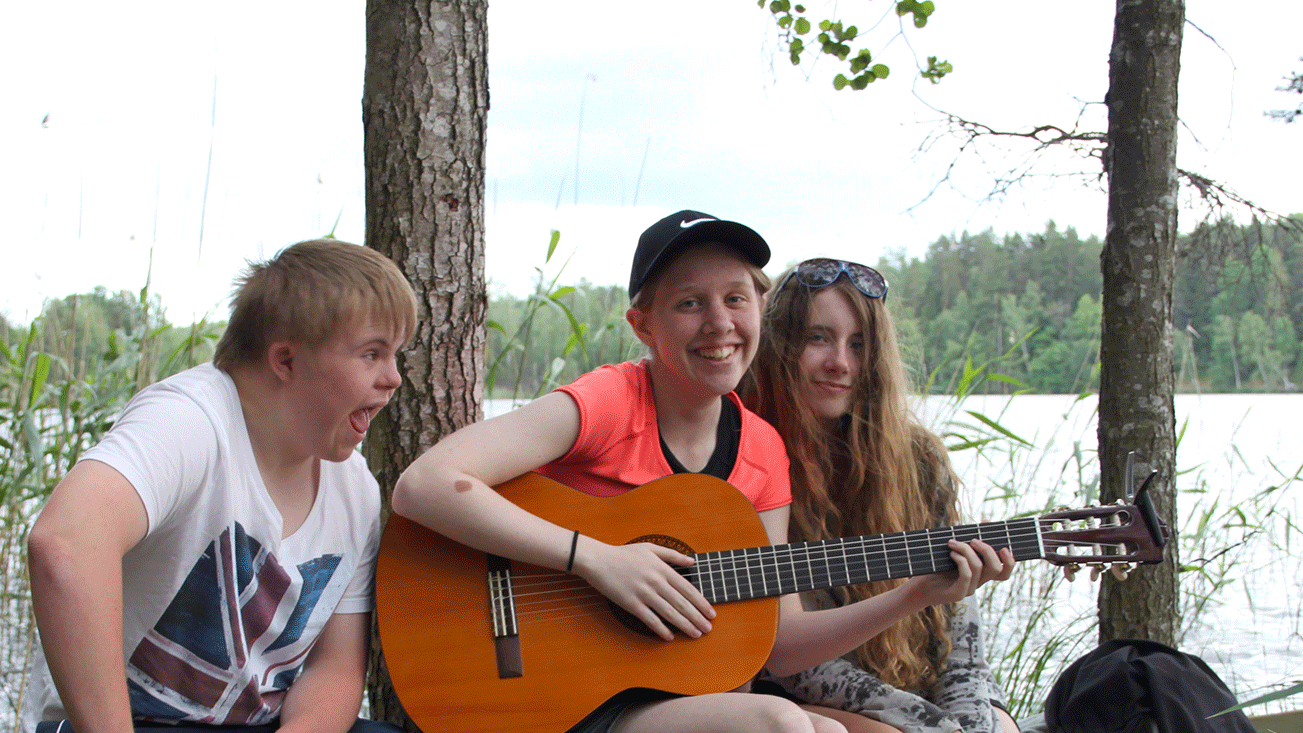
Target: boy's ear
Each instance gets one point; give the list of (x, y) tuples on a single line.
[(638, 320), (280, 359)]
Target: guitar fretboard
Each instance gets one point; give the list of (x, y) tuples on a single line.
[(761, 572)]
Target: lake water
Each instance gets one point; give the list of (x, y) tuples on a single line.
[(1232, 449), (1237, 454)]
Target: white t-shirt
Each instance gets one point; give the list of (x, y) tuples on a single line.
[(219, 611)]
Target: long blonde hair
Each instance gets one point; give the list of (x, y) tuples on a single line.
[(878, 471)]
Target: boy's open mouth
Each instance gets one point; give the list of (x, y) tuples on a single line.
[(361, 420)]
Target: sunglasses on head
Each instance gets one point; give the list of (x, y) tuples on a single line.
[(822, 272)]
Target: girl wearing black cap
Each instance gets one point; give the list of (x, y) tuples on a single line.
[(696, 289)]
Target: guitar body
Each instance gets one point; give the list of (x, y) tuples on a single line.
[(436, 620)]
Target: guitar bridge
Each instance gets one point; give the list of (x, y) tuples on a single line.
[(502, 605)]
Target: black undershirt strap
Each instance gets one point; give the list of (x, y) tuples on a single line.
[(727, 439)]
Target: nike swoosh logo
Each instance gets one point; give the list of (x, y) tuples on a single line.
[(686, 224)]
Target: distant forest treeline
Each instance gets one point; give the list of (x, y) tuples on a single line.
[(1024, 306), (1027, 305)]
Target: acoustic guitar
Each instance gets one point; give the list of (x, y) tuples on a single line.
[(479, 644)]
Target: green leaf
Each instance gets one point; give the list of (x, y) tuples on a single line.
[(997, 427), (839, 82), (551, 246), (785, 21), (880, 71), (554, 371), (969, 443), (1287, 692), (798, 46), (802, 25), (824, 25), (39, 374), (32, 435), (494, 325), (561, 292)]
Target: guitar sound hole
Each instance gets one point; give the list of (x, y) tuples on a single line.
[(628, 620)]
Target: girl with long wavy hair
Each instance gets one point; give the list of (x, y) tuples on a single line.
[(829, 377)]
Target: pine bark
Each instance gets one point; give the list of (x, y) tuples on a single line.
[(1136, 411), (424, 109)]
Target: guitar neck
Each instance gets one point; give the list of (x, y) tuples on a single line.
[(761, 572)]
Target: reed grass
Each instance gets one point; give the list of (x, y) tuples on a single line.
[(56, 400), (1037, 622)]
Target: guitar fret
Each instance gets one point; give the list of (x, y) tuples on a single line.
[(791, 572), (726, 562), (776, 554), (827, 566), (846, 564), (729, 577), (711, 576), (809, 567), (1040, 539), (744, 578), (751, 578)]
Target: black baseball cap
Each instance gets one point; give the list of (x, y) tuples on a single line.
[(669, 237)]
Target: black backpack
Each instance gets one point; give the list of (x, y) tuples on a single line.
[(1140, 686)]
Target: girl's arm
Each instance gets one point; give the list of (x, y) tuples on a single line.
[(449, 489), (809, 638)]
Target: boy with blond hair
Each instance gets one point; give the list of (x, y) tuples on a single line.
[(209, 562)]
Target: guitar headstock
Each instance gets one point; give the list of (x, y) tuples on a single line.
[(1116, 535)]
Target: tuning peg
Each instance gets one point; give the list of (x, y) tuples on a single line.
[(1070, 571), (1096, 568), (1120, 570)]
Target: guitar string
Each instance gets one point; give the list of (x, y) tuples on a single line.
[(737, 563), (731, 560), (769, 558), (1023, 539)]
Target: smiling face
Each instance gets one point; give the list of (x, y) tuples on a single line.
[(340, 385), (701, 324), (833, 354)]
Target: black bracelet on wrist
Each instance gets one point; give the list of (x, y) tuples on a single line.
[(574, 542)]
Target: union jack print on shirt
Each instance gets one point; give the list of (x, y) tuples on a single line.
[(233, 638)]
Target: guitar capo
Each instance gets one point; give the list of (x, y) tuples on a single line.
[(1143, 500)]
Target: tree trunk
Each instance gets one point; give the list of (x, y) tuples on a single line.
[(1136, 410), (424, 108)]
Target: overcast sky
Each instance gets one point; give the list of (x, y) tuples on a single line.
[(108, 120)]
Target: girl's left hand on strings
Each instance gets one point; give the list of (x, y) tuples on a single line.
[(977, 564)]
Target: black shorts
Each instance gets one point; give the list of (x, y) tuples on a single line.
[(605, 717)]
